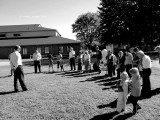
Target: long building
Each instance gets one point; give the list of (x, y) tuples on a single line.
[(34, 37)]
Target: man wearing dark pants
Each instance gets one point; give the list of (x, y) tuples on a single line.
[(16, 61), (110, 63), (146, 70), (37, 61), (72, 58)]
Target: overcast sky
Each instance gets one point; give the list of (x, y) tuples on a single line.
[(56, 14)]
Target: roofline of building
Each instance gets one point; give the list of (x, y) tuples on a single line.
[(40, 45), (43, 28), (29, 31)]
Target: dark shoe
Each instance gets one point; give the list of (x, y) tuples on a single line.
[(15, 90), (25, 89)]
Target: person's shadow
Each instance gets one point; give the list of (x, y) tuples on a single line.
[(112, 115), (6, 92), (6, 76), (111, 105), (106, 116)]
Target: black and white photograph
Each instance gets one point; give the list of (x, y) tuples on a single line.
[(79, 59)]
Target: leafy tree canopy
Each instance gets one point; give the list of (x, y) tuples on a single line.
[(86, 28), (134, 22)]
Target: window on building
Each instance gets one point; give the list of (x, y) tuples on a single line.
[(24, 51), (16, 35), (46, 49), (2, 35), (39, 50)]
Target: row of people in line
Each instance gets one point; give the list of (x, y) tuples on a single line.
[(129, 59)]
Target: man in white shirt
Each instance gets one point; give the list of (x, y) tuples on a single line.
[(37, 61), (104, 55), (146, 70), (72, 59), (16, 61)]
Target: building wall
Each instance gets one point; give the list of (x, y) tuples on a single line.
[(27, 51)]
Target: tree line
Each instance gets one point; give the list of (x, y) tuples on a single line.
[(129, 22)]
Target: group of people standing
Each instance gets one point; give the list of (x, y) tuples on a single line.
[(124, 61), (133, 70)]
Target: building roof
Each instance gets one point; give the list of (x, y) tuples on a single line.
[(37, 41), (22, 28)]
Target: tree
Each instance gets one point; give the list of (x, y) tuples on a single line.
[(86, 28), (134, 22)]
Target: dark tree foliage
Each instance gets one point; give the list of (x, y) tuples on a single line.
[(133, 22), (86, 28)]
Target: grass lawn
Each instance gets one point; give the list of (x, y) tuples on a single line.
[(71, 96)]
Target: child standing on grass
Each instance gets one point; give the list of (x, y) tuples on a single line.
[(122, 92), (50, 59), (61, 64), (86, 61), (135, 88)]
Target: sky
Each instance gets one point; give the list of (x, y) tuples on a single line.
[(56, 14)]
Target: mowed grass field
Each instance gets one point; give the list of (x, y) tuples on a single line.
[(70, 95)]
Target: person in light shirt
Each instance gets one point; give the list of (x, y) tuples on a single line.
[(37, 61), (16, 61), (104, 55), (128, 61), (146, 70), (72, 59), (87, 60)]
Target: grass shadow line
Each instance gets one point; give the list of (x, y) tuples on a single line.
[(111, 105), (6, 76), (123, 116), (8, 92), (106, 116)]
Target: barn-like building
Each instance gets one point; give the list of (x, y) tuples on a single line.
[(32, 37)]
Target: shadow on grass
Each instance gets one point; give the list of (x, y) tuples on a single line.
[(9, 92), (155, 91), (6, 76), (106, 116), (112, 116), (123, 116), (111, 105), (76, 73), (95, 78)]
